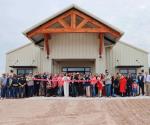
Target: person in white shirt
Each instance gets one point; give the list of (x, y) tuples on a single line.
[(66, 85), (147, 83), (108, 83)]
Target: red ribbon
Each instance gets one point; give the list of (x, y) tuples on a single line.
[(48, 80)]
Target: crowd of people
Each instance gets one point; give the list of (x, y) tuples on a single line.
[(73, 84)]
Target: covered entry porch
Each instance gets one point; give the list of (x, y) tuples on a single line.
[(73, 65), (73, 34)]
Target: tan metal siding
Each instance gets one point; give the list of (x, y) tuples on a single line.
[(46, 64), (108, 57), (77, 46), (128, 55), (74, 45), (26, 56)]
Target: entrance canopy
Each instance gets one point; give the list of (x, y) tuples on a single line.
[(72, 19)]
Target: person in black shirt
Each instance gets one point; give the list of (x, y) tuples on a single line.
[(116, 86), (44, 83), (76, 84), (129, 85), (9, 92), (112, 86), (80, 84), (37, 84), (87, 85), (22, 83), (141, 82), (15, 86)]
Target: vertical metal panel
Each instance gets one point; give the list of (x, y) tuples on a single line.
[(74, 45), (127, 55), (25, 56), (46, 64), (77, 46)]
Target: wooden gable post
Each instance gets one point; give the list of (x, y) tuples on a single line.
[(46, 44), (73, 20), (101, 42)]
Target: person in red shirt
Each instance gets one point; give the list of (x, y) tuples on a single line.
[(60, 85), (93, 83), (123, 83), (99, 85)]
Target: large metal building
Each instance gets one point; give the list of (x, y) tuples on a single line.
[(73, 40)]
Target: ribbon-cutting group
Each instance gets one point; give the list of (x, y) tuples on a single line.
[(73, 84)]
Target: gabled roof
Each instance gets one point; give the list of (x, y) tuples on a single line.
[(68, 8), (23, 46), (38, 31)]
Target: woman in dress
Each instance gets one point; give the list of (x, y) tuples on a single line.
[(122, 82), (66, 80)]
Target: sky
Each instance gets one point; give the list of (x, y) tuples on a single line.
[(131, 16)]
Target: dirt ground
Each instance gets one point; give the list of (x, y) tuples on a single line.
[(75, 111)]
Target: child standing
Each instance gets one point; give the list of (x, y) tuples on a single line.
[(134, 88)]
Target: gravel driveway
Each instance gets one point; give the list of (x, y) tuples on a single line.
[(75, 111)]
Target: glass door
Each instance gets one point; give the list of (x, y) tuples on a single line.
[(76, 69)]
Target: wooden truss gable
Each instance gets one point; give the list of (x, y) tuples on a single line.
[(73, 21)]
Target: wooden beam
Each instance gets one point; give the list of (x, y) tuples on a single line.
[(44, 28), (46, 44), (73, 20), (80, 30), (47, 24), (98, 24), (64, 30), (101, 43), (82, 23), (88, 18), (63, 23)]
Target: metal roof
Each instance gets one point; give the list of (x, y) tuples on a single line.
[(127, 44), (18, 48)]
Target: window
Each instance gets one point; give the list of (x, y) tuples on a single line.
[(123, 71), (64, 69), (77, 69), (87, 69), (24, 71), (126, 71)]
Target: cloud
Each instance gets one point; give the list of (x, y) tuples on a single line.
[(131, 16), (142, 6)]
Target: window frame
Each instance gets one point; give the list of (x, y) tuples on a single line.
[(85, 71), (25, 70)]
